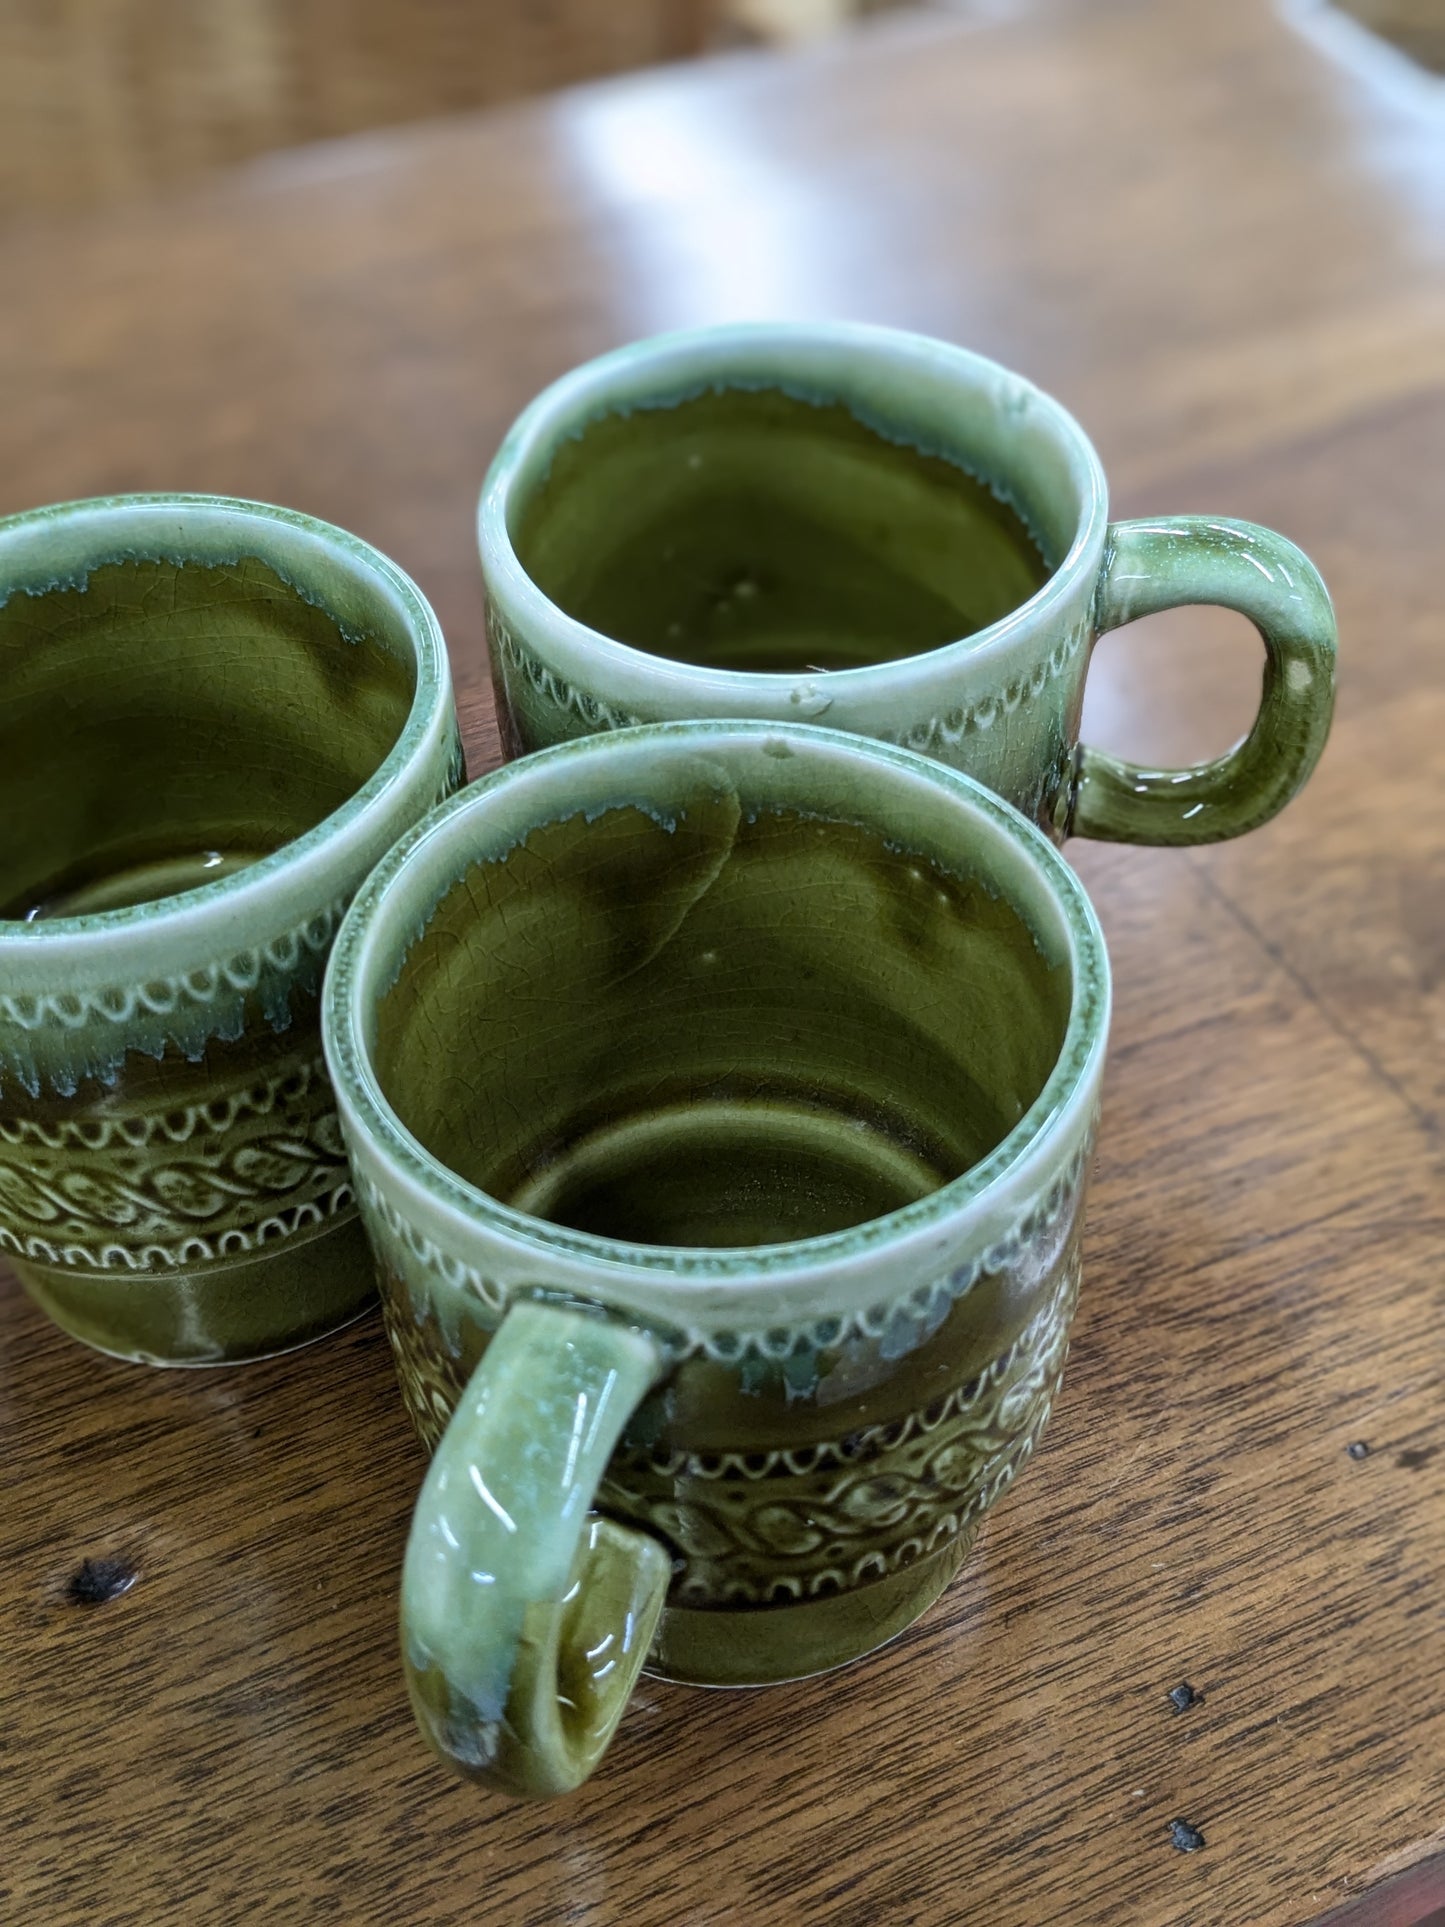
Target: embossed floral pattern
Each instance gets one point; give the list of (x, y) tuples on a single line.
[(173, 1184), (790, 1523), (175, 1187), (766, 1528), (432, 1377)]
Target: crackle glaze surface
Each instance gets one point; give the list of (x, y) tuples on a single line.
[(233, 678), (816, 1427), (998, 696), (755, 1509)]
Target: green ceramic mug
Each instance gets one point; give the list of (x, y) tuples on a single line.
[(720, 1099), (216, 716), (855, 526)]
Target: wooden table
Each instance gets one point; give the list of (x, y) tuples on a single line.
[(1225, 249)]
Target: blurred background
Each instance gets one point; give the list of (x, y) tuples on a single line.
[(104, 100)]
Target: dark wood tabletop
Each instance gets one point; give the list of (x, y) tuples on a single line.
[(1220, 240)]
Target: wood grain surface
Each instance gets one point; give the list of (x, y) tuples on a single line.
[(1226, 252), (101, 100)]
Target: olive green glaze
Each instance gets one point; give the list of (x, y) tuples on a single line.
[(758, 1067), (1149, 566), (217, 716), (887, 534), (178, 707), (716, 1059), (731, 531)]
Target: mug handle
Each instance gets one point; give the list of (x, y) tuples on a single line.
[(1179, 559), (525, 1617)]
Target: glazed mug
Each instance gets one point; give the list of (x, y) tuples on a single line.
[(720, 1098), (850, 525), (216, 717)]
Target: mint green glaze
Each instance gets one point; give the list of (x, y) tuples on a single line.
[(525, 1620), (796, 1040), (217, 716), (794, 522)]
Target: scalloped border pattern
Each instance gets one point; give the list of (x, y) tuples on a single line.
[(404, 1247)]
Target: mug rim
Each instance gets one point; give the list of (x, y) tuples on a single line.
[(141, 528), (698, 357), (366, 952)]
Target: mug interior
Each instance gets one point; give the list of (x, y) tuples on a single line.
[(170, 719), (738, 991), (785, 500)]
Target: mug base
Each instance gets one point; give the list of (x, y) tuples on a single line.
[(222, 1314), (771, 1645)]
